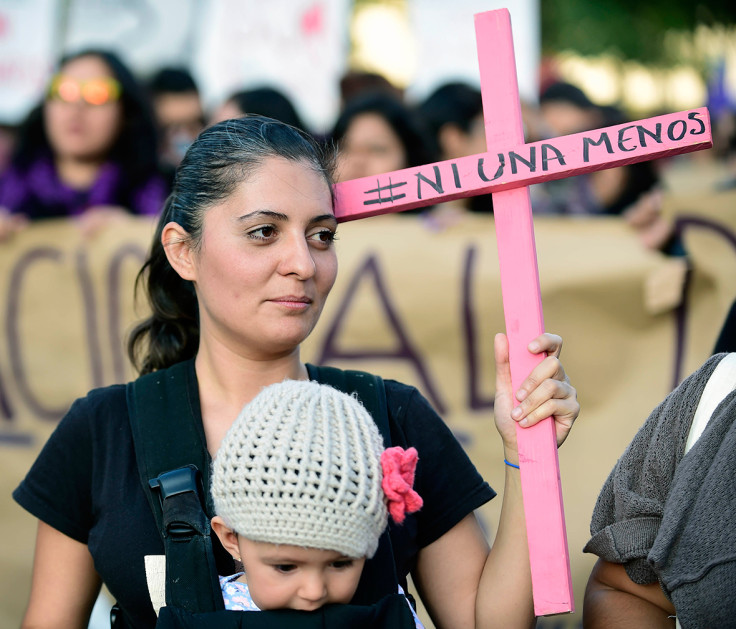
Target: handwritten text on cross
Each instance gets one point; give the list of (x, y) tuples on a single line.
[(670, 134)]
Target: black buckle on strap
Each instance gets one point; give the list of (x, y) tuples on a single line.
[(182, 518), (177, 481)]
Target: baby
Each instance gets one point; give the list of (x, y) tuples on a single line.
[(303, 487)]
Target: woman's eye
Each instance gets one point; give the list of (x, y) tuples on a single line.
[(324, 236), (262, 233)]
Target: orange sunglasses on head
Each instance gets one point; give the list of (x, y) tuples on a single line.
[(92, 91)]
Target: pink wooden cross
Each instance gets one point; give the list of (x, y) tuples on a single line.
[(506, 170)]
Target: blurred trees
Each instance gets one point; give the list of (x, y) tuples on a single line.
[(629, 29)]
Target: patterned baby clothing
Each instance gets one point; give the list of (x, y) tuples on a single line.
[(237, 597)]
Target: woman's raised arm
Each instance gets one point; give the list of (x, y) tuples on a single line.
[(463, 583)]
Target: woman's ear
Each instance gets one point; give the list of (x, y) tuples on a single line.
[(228, 537), (178, 248)]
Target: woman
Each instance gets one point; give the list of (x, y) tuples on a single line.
[(378, 133), (88, 150), (662, 526), (241, 265), (263, 101)]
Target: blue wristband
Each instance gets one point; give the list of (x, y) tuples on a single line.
[(511, 464)]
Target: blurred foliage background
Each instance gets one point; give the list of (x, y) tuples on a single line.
[(651, 31)]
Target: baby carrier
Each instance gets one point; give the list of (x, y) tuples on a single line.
[(173, 468)]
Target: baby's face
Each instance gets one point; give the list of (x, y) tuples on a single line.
[(292, 577)]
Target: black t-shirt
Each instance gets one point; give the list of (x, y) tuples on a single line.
[(85, 484)]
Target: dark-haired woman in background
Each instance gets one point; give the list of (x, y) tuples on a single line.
[(262, 101), (378, 133), (88, 150)]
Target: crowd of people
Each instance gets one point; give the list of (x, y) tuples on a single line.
[(103, 142), (310, 491)]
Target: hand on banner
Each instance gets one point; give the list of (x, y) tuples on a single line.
[(546, 392), (645, 216), (11, 224), (95, 219)]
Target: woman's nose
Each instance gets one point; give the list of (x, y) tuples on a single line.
[(297, 259)]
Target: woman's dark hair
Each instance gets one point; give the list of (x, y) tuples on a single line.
[(452, 103), (640, 177), (223, 156), (134, 150), (270, 102), (405, 122)]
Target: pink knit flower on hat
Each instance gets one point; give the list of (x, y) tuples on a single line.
[(399, 466)]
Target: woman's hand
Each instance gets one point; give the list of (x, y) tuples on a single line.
[(11, 224), (99, 217), (546, 392), (646, 218)]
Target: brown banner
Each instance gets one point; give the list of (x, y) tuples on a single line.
[(410, 303)]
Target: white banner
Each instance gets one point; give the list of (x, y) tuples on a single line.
[(445, 39), (28, 30), (297, 46)]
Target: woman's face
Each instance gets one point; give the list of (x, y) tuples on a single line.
[(369, 147), (76, 128), (266, 261)]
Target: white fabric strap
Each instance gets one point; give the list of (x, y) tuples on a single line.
[(156, 578), (721, 382)]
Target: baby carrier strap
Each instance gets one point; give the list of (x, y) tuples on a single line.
[(172, 462), (171, 455), (391, 612)]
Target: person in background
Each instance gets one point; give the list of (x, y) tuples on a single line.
[(662, 526), (262, 101), (356, 83), (8, 134), (179, 114), (88, 150), (377, 133), (453, 113), (632, 191)]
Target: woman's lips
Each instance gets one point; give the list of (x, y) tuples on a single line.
[(292, 302)]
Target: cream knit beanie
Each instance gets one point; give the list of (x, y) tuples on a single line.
[(301, 465)]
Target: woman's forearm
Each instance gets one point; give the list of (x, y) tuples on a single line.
[(614, 601), (505, 591)]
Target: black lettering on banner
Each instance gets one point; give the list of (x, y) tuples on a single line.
[(531, 163), (656, 135), (405, 350), (693, 115), (456, 175), (90, 313), (672, 134), (115, 324), (546, 148), (499, 170), (476, 400), (604, 139), (12, 327), (6, 410), (436, 184), (390, 188), (622, 139)]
